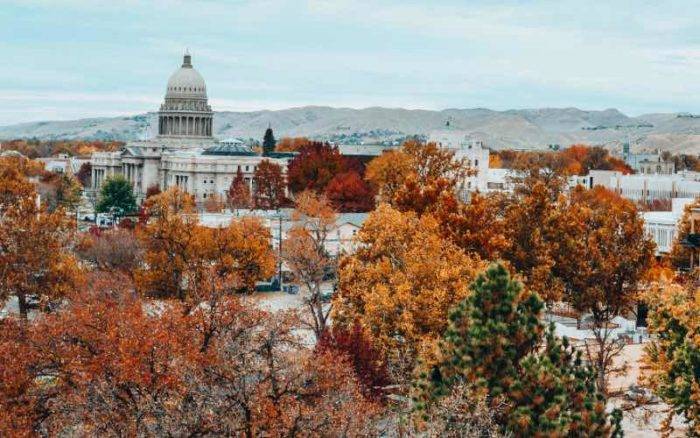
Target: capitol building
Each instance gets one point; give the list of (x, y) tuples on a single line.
[(184, 153)]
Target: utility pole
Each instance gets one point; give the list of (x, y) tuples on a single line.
[(279, 247)]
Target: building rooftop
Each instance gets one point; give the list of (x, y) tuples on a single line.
[(229, 149)]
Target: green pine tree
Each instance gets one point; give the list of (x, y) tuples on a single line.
[(269, 142), (116, 194), (497, 343)]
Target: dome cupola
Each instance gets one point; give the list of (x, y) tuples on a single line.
[(185, 111), (186, 82)]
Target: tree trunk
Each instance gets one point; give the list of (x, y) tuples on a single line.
[(602, 387), (22, 300)]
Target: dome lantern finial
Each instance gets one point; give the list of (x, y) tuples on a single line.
[(187, 59)]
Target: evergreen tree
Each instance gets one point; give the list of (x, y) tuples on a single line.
[(116, 194), (269, 142), (496, 343)]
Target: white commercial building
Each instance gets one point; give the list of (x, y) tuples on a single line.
[(647, 188), (662, 226), (472, 151)]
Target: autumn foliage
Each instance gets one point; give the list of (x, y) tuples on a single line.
[(348, 192), (38, 148), (577, 159), (179, 252), (226, 369), (321, 168), (401, 283), (673, 358)]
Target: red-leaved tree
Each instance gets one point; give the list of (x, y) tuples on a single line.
[(348, 192), (314, 167)]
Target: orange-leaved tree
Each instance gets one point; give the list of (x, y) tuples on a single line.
[(175, 246), (242, 252), (35, 257), (604, 267)]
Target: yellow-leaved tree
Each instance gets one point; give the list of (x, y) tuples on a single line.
[(401, 283)]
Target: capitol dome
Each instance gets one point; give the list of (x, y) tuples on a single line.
[(185, 112), (186, 82)]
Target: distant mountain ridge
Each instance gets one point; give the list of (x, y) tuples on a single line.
[(522, 129)]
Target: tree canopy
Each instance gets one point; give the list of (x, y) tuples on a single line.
[(116, 194)]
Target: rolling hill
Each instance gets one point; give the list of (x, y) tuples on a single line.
[(523, 129)]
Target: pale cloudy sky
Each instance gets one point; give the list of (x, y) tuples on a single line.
[(71, 59)]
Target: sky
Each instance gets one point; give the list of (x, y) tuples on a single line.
[(62, 60)]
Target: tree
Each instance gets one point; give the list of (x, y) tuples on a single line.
[(60, 190), (400, 284), (269, 142), (672, 358), (116, 194), (213, 203), (349, 193), (35, 260), (367, 361), (221, 368), (175, 247), (269, 186), (387, 173), (680, 254), (238, 195), (533, 222), (13, 185), (433, 173), (242, 252), (184, 260), (291, 144), (84, 174), (153, 190), (305, 252), (112, 250), (478, 225), (464, 412), (497, 343), (314, 167), (604, 266)]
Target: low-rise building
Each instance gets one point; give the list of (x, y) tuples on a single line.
[(340, 238)]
